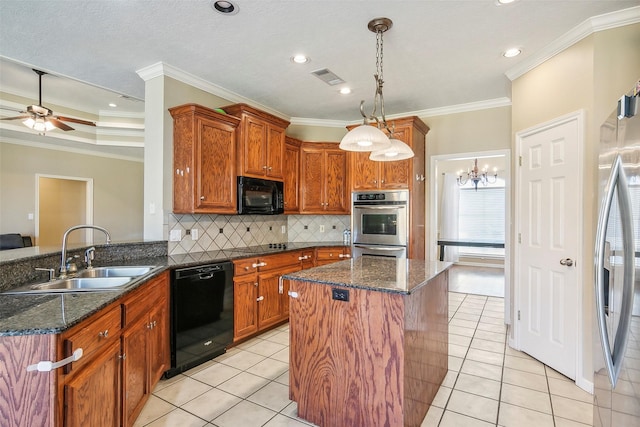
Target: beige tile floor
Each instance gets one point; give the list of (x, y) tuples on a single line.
[(488, 383)]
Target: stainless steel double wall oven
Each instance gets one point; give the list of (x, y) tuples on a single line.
[(380, 223)]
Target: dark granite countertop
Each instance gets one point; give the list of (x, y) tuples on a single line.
[(372, 273), (31, 314)]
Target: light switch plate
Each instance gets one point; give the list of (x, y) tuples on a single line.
[(175, 235), (194, 234)]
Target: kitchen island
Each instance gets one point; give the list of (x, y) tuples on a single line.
[(368, 340)]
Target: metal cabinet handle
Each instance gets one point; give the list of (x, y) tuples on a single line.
[(47, 365), (264, 167), (201, 197), (260, 264), (256, 284), (103, 334), (260, 298), (269, 168), (566, 261)]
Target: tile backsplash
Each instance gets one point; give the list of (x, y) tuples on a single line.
[(215, 232)]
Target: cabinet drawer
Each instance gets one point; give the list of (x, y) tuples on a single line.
[(334, 254), (92, 335), (278, 261), (245, 266)]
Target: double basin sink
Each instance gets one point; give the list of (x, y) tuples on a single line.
[(91, 279)]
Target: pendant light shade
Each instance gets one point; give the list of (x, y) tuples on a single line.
[(365, 138), (397, 151)]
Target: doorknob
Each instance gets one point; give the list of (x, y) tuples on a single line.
[(567, 261)]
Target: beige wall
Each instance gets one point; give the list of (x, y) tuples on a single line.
[(590, 75), (62, 203), (117, 191), (317, 133)]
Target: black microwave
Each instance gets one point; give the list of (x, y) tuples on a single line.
[(260, 196)]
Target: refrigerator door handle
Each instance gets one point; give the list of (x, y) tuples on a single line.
[(617, 182)]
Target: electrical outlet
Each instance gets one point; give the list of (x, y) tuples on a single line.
[(322, 228), (195, 234), (175, 235), (340, 294)]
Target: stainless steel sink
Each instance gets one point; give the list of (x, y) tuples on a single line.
[(120, 271), (91, 280), (79, 283)]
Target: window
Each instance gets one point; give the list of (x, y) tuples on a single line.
[(481, 217)]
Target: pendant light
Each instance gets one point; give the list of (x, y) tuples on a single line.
[(372, 138)]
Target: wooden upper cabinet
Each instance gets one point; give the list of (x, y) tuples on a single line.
[(323, 179), (261, 142), (369, 175), (291, 170), (204, 160)]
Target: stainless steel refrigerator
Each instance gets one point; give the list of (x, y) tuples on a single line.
[(616, 352)]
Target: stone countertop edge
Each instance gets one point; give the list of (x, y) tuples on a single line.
[(402, 276), (36, 314)]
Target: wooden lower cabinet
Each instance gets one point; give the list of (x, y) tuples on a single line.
[(92, 396), (245, 309), (145, 345), (260, 298)]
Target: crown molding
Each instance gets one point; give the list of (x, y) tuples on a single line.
[(594, 24), (304, 121), (161, 69), (87, 152)]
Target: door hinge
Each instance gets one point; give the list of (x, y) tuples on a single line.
[(518, 314), (520, 161)]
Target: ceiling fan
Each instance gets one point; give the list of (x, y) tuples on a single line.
[(41, 118)]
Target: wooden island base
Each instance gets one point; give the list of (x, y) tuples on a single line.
[(377, 359)]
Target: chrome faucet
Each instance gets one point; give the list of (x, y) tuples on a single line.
[(63, 259)]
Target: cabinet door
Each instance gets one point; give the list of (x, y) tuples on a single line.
[(311, 180), (275, 153), (364, 172), (336, 186), (283, 288), (215, 159), (253, 148), (396, 174), (159, 353), (269, 300), (135, 370), (245, 309), (291, 169), (92, 397)]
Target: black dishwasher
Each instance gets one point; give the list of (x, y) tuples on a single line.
[(201, 314)]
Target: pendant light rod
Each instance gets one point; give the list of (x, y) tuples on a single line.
[(378, 26)]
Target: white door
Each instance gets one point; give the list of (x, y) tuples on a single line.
[(549, 233)]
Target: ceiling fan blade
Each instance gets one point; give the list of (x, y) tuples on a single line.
[(15, 118), (57, 123), (79, 121)]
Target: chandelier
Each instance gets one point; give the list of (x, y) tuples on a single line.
[(371, 138), (477, 176)]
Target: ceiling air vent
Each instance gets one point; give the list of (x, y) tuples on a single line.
[(328, 77)]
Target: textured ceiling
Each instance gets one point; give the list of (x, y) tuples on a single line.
[(438, 53)]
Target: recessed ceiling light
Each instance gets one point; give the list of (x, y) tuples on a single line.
[(224, 7), (112, 105), (300, 59), (501, 2), (510, 53), (345, 91)]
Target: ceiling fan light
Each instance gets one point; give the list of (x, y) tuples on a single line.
[(29, 123), (397, 151), (365, 138)]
